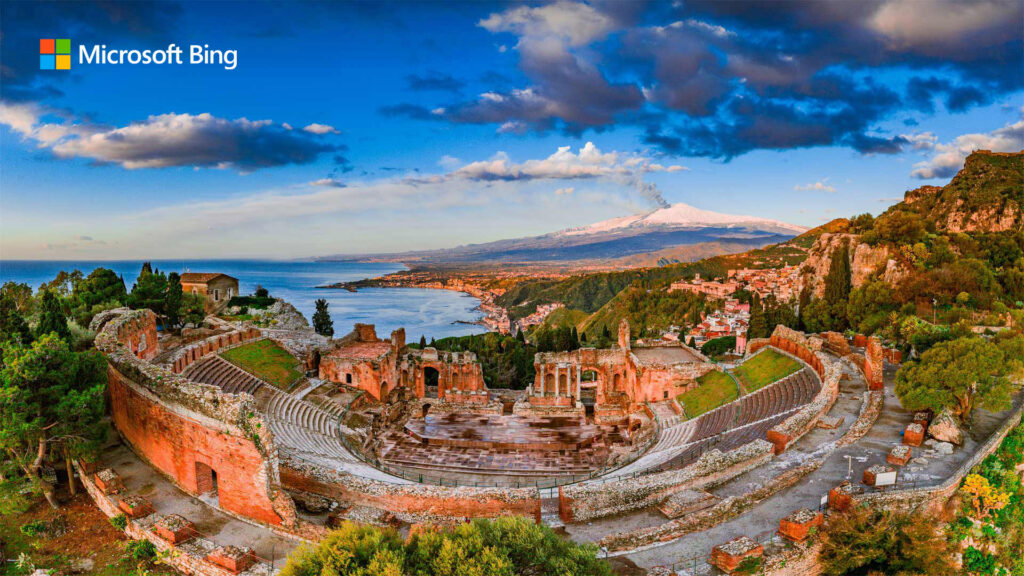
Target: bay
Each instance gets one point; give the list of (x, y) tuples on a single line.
[(427, 312)]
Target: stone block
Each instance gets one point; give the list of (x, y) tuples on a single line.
[(840, 498), (135, 506), (900, 455), (913, 435), (728, 557), (109, 482), (232, 558), (872, 473), (831, 422), (174, 529), (687, 502), (922, 418), (799, 525)]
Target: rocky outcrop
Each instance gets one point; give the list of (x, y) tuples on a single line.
[(945, 428), (983, 197), (865, 261)]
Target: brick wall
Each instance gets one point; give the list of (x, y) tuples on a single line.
[(187, 429), (411, 502)]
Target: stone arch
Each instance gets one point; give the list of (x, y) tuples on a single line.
[(549, 384), (384, 391), (563, 383), (431, 381)]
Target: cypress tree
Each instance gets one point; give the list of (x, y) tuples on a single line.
[(838, 285), (423, 342), (322, 322), (52, 318), (174, 299)]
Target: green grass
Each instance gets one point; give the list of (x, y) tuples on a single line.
[(763, 369), (713, 390), (266, 359)]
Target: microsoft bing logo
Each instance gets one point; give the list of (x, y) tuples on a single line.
[(55, 54)]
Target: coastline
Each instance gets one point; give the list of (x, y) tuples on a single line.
[(495, 317)]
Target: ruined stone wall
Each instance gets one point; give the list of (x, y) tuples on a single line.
[(188, 355), (411, 502), (590, 500), (175, 424), (808, 350), (873, 363)]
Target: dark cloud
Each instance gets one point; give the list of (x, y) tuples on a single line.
[(434, 81), (713, 78)]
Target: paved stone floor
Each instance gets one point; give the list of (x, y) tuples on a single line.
[(551, 445), (139, 478), (764, 517)]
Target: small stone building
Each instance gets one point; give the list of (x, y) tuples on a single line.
[(216, 287)]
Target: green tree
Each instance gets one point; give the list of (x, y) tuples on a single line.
[(423, 342), (101, 289), (174, 300), (13, 327), (962, 374), (150, 291), (193, 309), (52, 318), (865, 539), (22, 295), (49, 396), (758, 327), (507, 546), (869, 306), (838, 285), (322, 322)]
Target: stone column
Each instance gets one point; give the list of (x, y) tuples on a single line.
[(543, 390), (579, 381), (558, 380)]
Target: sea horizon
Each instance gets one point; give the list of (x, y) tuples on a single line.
[(421, 311)]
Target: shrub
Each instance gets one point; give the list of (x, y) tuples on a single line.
[(119, 521), (140, 550), (893, 543), (34, 528), (503, 547)]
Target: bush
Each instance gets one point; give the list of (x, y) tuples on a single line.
[(893, 543), (502, 547), (257, 302), (719, 346), (34, 528), (140, 550), (119, 521)]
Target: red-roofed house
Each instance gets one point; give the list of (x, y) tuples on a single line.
[(217, 288)]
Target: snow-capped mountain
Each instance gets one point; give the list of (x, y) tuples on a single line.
[(684, 215), (669, 227)]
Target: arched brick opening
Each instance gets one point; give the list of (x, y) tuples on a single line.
[(431, 381)]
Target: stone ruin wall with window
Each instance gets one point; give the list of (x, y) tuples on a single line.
[(192, 433)]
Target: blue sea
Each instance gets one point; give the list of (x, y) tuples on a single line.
[(431, 313)]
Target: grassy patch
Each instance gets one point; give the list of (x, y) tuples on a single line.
[(266, 359), (763, 369), (713, 390)]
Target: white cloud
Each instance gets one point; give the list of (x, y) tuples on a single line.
[(564, 191), (449, 162), (320, 129), (166, 140), (574, 23), (589, 162), (330, 182), (948, 158), (908, 23), (819, 186)]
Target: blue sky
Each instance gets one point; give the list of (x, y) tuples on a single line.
[(371, 127)]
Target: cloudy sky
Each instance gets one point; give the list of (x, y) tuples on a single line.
[(368, 127)]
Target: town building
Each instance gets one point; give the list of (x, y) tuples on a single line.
[(217, 288)]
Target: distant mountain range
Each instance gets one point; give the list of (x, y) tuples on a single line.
[(666, 228)]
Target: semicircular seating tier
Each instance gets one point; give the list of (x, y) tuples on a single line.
[(729, 426), (301, 429)]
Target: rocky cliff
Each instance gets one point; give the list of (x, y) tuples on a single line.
[(865, 262), (987, 195)]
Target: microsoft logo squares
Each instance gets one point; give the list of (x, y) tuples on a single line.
[(55, 54)]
